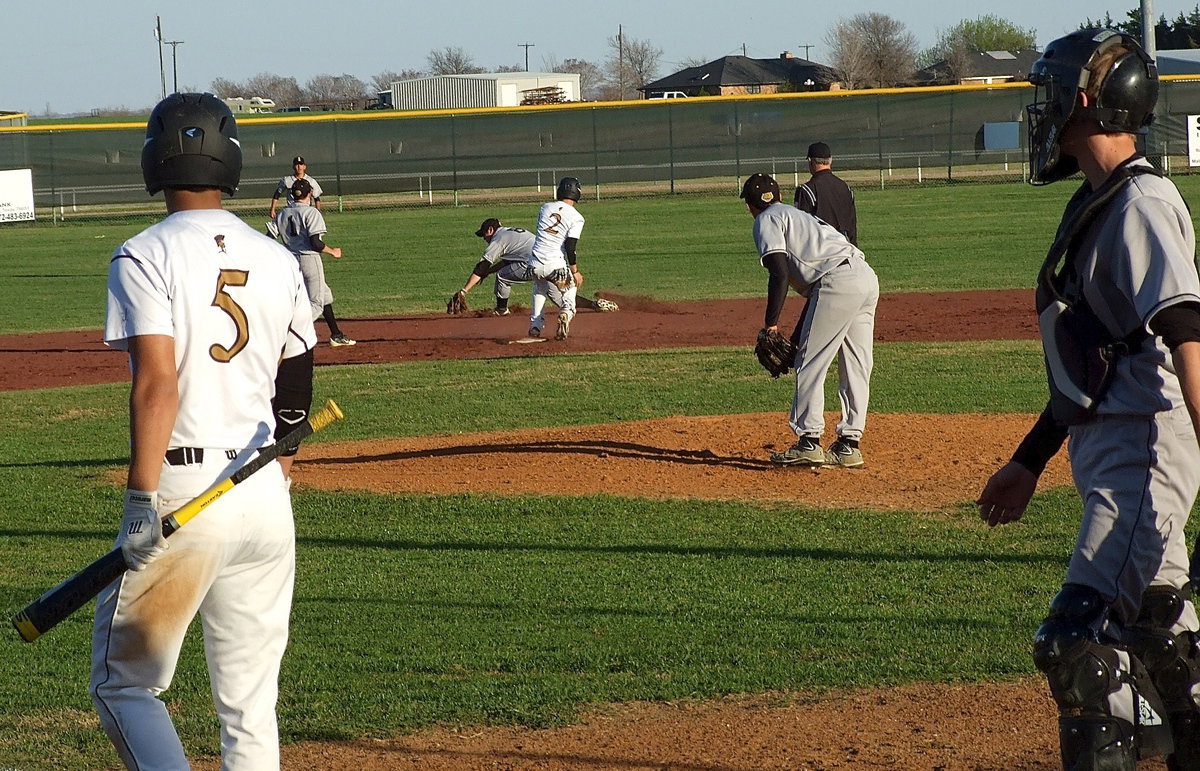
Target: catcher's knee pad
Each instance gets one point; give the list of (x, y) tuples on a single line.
[(1172, 657), (1109, 711)]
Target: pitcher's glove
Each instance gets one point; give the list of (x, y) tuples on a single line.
[(457, 303), (775, 352)]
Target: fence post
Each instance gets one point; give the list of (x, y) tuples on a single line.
[(337, 164), (671, 142), (879, 138), (950, 143), (595, 156), (453, 163)]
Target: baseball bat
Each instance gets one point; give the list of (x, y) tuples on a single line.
[(44, 613)]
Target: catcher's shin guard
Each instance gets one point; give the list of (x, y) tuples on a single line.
[(1109, 711), (1172, 657)]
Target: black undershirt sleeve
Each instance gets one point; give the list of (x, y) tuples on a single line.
[(293, 394), (317, 243), (777, 286), (569, 248), (1177, 324), (1041, 444), (483, 269)]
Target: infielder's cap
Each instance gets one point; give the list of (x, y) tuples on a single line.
[(301, 188), (819, 150), (761, 190), (491, 223), (299, 160)]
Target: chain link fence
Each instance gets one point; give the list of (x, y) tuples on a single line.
[(434, 158)]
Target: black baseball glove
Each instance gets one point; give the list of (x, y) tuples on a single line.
[(775, 352), (457, 303)]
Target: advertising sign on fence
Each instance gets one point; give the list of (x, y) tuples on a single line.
[(1193, 139), (16, 195)]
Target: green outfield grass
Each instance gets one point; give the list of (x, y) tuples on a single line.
[(416, 610), (930, 238)]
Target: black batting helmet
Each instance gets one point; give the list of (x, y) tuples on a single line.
[(1121, 82), (568, 188), (191, 142)]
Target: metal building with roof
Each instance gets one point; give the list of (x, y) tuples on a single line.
[(488, 89)]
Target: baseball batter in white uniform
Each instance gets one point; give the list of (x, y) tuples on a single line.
[(284, 188), (1120, 646), (217, 325), (552, 261), (811, 256), (506, 255), (302, 228)]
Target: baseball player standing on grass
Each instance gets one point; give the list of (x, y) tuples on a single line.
[(838, 320), (301, 226), (507, 255), (1119, 289), (219, 334), (284, 188), (826, 196), (553, 265)]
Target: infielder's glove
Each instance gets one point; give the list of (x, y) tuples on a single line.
[(457, 303), (775, 352)]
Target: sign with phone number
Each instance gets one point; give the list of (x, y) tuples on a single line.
[(16, 195)]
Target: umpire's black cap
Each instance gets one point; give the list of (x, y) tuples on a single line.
[(491, 223), (760, 190), (819, 151)]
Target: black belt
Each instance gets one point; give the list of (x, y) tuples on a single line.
[(185, 456)]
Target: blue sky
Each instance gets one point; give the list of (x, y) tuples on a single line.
[(71, 56)]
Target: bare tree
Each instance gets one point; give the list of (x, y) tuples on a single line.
[(590, 76), (631, 63), (383, 81), (451, 60), (332, 88), (692, 61), (284, 91), (510, 68), (872, 50)]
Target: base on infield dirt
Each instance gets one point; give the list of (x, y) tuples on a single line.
[(525, 340)]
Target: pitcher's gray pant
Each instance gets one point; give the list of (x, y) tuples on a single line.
[(838, 320)]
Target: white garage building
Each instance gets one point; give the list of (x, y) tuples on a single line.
[(488, 89)]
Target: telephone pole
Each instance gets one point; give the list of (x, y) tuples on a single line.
[(162, 73), (174, 63), (526, 46)]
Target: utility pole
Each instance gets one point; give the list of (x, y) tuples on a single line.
[(162, 74), (620, 63), (1148, 41), (174, 63), (526, 46), (805, 46)]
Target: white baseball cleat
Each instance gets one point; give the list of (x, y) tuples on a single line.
[(606, 306), (564, 327), (339, 340)]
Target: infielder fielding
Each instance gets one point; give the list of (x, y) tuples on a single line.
[(838, 320), (284, 188), (507, 256), (301, 227), (553, 265), (217, 325), (1119, 290)]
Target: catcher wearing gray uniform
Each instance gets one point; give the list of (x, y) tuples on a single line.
[(842, 291), (301, 226), (507, 256), (1119, 310)]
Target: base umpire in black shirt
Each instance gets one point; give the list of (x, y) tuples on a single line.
[(826, 196)]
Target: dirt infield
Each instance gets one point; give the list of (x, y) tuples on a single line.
[(974, 726)]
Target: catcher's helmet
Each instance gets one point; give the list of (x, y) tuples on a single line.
[(1121, 82), (191, 142), (760, 190), (568, 188)]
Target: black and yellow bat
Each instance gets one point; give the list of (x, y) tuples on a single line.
[(41, 615)]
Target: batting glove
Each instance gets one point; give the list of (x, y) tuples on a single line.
[(141, 538)]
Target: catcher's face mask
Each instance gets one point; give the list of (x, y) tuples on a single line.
[(1124, 97)]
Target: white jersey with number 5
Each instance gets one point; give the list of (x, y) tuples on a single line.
[(557, 221), (234, 303)]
